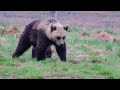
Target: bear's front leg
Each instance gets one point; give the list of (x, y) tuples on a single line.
[(40, 54), (61, 51), (33, 52)]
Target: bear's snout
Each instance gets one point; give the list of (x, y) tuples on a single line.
[(61, 45)]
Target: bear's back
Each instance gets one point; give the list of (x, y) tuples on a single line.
[(45, 23)]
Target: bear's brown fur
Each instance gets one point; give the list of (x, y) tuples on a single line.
[(41, 35)]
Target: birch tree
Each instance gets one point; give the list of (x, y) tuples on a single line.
[(54, 14)]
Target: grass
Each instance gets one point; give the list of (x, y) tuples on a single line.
[(109, 46), (118, 52), (87, 58)]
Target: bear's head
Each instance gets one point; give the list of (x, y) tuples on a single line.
[(59, 33)]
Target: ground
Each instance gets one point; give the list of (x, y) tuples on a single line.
[(87, 58)]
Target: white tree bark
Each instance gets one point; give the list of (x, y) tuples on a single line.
[(54, 14)]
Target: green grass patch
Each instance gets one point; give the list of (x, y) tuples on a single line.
[(100, 62)]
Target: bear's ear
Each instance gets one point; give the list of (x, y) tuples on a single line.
[(66, 27), (53, 27)]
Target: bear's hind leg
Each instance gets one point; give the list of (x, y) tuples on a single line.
[(48, 52), (40, 55), (22, 46)]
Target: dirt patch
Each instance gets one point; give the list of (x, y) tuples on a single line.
[(17, 65), (1, 67), (74, 61), (104, 36), (96, 61), (3, 42), (33, 78), (94, 32), (84, 34), (96, 51), (12, 30), (11, 76), (62, 77)]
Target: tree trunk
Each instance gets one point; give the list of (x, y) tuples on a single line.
[(54, 14)]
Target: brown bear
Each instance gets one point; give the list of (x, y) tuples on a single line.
[(41, 35)]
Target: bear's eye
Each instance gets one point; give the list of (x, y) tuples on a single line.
[(58, 38), (63, 38)]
